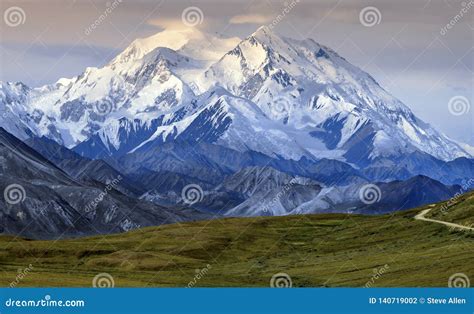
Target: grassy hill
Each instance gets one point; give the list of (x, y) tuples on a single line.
[(315, 250), (459, 210)]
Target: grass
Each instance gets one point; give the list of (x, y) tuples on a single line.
[(459, 210), (331, 250)]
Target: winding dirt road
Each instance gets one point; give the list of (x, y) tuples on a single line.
[(421, 216)]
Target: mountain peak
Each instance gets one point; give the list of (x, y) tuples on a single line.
[(277, 92), (166, 39), (189, 41), (266, 36), (264, 30)]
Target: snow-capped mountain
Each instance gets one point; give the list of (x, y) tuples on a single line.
[(13, 113), (263, 126), (281, 97), (310, 87)]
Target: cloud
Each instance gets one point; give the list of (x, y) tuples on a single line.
[(250, 19), (168, 23)]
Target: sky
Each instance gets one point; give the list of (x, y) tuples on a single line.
[(405, 45)]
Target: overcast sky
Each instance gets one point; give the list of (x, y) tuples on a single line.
[(406, 50)]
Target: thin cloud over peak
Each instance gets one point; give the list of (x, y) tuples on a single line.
[(250, 19)]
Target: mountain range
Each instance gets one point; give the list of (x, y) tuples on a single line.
[(264, 125)]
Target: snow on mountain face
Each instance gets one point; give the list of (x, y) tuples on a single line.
[(99, 97), (278, 96), (306, 85), (145, 81), (232, 122), (13, 112), (188, 42)]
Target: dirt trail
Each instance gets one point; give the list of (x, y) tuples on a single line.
[(421, 216)]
